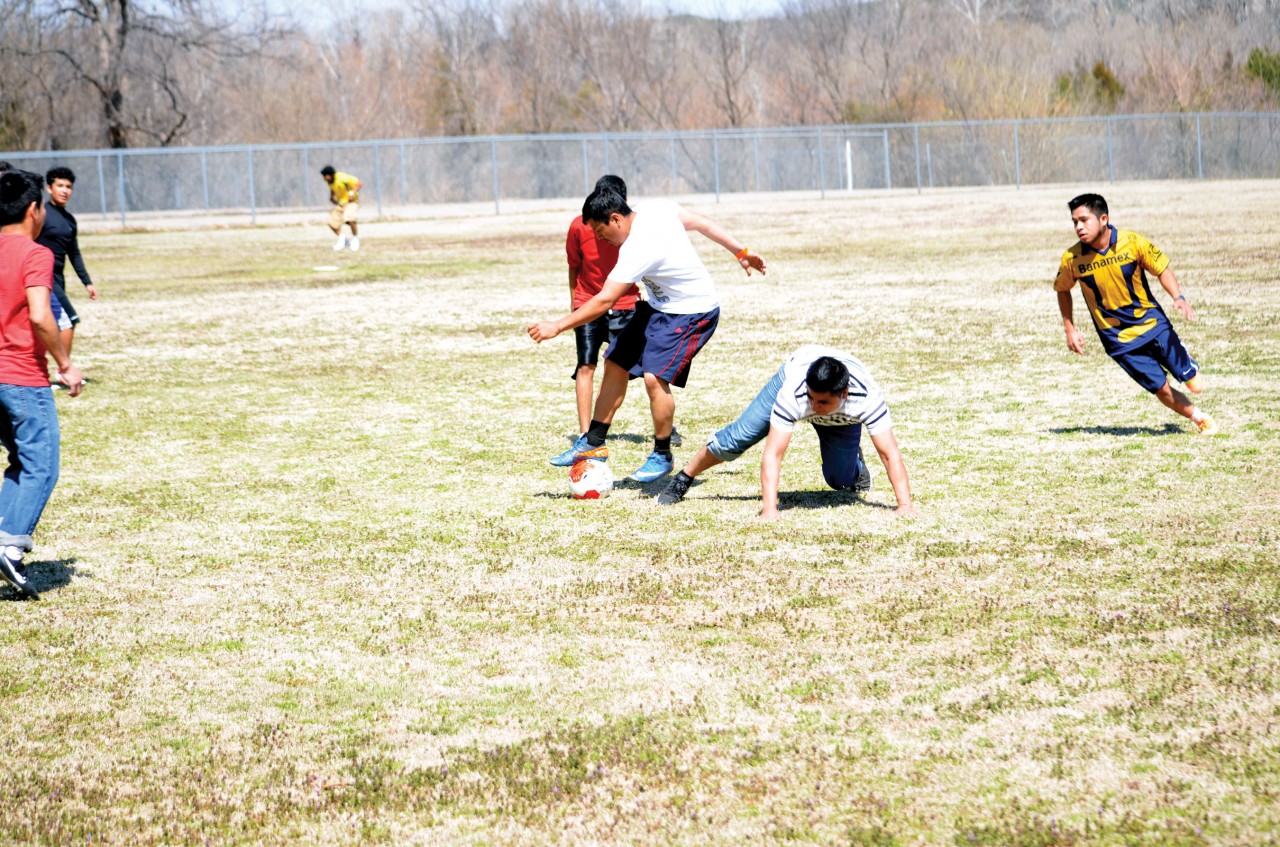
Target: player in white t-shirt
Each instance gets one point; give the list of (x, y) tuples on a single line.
[(836, 393), (667, 331)]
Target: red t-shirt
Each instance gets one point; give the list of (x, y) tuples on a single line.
[(23, 264), (593, 258)]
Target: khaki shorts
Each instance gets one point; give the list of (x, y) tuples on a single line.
[(345, 214)]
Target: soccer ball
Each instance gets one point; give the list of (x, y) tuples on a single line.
[(590, 479)]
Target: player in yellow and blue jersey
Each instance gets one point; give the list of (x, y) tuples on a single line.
[(1111, 266)]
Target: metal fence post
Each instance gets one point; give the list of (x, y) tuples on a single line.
[(493, 161), (204, 176), (586, 170), (1111, 155), (404, 176), (253, 200), (888, 172), (928, 157), (606, 153), (715, 150), (916, 127), (306, 175), (755, 143), (120, 185), (822, 168), (102, 187), (1199, 149), (671, 145), (377, 174), (1017, 157)]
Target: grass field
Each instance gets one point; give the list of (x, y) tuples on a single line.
[(308, 578)]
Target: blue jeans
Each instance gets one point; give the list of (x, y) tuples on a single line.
[(29, 431), (840, 445)]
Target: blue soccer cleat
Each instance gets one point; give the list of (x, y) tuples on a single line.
[(580, 450), (654, 468)]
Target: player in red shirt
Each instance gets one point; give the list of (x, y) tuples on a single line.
[(28, 417)]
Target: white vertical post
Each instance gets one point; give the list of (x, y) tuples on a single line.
[(102, 187), (848, 163), (1199, 149), (377, 175), (1111, 155), (888, 174)]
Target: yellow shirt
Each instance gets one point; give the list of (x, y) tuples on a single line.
[(343, 187), (1115, 287)]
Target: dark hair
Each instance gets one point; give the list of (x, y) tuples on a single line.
[(614, 182), (5, 166), (827, 376), (60, 173), (327, 170), (602, 203), (18, 190), (1094, 202)]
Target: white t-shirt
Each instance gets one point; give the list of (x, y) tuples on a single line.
[(659, 255), (865, 404)]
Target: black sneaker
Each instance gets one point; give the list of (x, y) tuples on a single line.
[(863, 485), (676, 440), (16, 575), (675, 490)]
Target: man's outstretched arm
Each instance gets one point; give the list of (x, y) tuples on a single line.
[(695, 222), (887, 446), (584, 314)]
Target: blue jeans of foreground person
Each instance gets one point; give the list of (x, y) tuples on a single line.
[(29, 431), (841, 456)]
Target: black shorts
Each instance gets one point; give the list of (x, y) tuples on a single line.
[(60, 291), (603, 330)]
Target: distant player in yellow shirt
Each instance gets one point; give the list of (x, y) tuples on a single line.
[(344, 194), (1111, 266)]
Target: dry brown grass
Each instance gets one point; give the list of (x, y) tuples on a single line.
[(308, 579)]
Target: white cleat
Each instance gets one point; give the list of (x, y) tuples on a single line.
[(340, 243), (355, 242)]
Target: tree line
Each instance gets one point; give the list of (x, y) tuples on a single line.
[(135, 73)]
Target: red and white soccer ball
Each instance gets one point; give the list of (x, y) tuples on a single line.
[(590, 479)]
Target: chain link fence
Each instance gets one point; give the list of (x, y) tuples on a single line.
[(250, 180)]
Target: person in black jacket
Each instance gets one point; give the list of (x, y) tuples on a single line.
[(59, 235)]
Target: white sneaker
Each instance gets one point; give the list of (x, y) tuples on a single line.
[(340, 243), (355, 242)]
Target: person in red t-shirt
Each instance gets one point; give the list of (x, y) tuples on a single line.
[(28, 416)]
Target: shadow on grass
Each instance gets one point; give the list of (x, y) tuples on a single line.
[(44, 576), (823, 498), (1124, 431)]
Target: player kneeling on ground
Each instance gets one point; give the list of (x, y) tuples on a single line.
[(833, 391), (1109, 264)]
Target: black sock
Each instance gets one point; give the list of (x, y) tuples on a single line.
[(596, 433), (662, 446)]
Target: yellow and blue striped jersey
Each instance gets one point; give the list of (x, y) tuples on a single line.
[(1115, 287)]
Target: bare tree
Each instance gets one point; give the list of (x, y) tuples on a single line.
[(143, 61)]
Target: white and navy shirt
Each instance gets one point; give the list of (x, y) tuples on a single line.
[(865, 404), (659, 255)]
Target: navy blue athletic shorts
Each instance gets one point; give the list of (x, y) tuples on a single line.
[(1165, 352), (661, 344)]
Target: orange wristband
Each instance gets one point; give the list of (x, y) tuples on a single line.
[(742, 254)]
